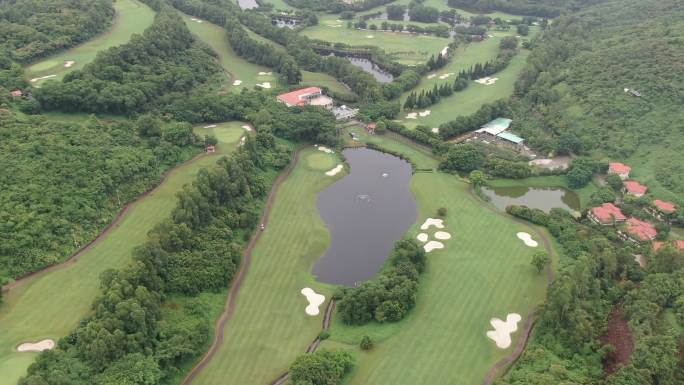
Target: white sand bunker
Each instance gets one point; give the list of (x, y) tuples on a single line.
[(335, 170), (237, 82), (412, 115), (502, 330), (265, 73), (210, 126), (527, 238), (444, 76), (432, 245), (242, 140), (425, 113), (196, 20), (246, 127), (444, 51), (69, 63), (487, 81), (431, 76), (36, 346), (443, 235), (325, 149), (370, 37), (423, 237), (435, 130), (315, 300), (264, 85), (438, 223), (42, 77)]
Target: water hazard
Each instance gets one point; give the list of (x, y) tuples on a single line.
[(366, 212), (543, 198), (378, 73)]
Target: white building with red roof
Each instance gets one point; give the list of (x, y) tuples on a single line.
[(639, 231), (312, 96), (606, 214), (621, 169), (635, 188)]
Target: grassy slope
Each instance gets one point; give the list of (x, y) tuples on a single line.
[(269, 327), (474, 278), (237, 67), (131, 17), (50, 305)]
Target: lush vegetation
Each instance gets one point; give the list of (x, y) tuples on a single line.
[(30, 29), (128, 78), (320, 368), (88, 172), (390, 296), (541, 8), (197, 249)]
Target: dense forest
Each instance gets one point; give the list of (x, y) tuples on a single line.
[(31, 29), (541, 8), (130, 77), (87, 171), (573, 87)]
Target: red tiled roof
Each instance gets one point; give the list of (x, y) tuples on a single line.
[(667, 207), (371, 125), (642, 230), (679, 244), (619, 168), (635, 187), (607, 211), (294, 98), (16, 93)]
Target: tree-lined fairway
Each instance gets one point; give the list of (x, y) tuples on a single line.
[(269, 327), (404, 47), (483, 272), (236, 67), (50, 305), (131, 17), (472, 98)]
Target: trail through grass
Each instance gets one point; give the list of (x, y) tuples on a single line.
[(51, 305), (131, 17)]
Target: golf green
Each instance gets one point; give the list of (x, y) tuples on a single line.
[(50, 304), (131, 17)]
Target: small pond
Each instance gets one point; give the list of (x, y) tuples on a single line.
[(378, 73), (248, 4), (543, 198), (366, 212)]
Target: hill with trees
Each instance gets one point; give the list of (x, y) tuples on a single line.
[(31, 29)]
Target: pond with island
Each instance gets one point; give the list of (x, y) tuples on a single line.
[(543, 198), (366, 212)]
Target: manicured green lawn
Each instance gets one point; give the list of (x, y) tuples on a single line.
[(50, 305), (323, 80), (131, 17), (405, 48), (236, 67), (483, 272), (269, 327), (472, 98)]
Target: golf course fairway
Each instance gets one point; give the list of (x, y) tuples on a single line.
[(269, 326), (50, 304), (131, 17)]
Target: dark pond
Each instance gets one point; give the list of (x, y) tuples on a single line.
[(383, 16), (543, 198), (366, 212), (248, 4), (378, 73)]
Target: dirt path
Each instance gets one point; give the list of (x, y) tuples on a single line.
[(234, 289), (74, 257), (618, 335)]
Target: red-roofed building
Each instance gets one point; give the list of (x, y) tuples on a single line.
[(16, 93), (635, 188), (370, 127), (306, 96), (639, 231), (678, 244), (664, 207), (621, 169), (211, 149), (606, 214)]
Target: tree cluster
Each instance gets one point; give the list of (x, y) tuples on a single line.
[(541, 8), (388, 297), (322, 367)]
